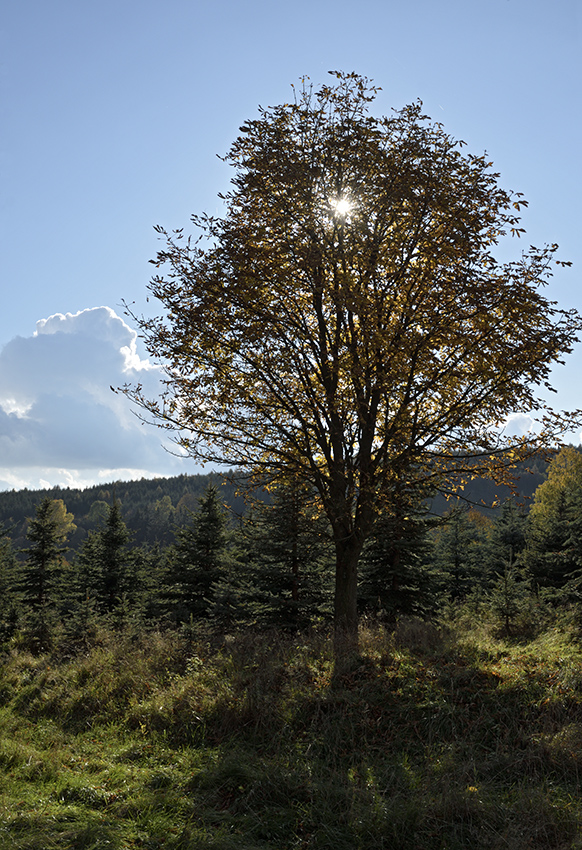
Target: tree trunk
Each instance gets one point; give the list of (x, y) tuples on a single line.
[(346, 600)]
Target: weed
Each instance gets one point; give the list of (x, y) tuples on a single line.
[(439, 737)]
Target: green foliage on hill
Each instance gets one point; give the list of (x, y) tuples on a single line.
[(183, 695), (201, 557), (150, 507)]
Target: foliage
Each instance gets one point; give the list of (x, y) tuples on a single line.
[(281, 573), (511, 593), (554, 538), (273, 568), (346, 321), (43, 557), (8, 581), (198, 559), (105, 561), (458, 553), (399, 571), (564, 474), (147, 523)]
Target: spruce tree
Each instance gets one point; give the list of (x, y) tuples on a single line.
[(458, 553), (197, 561), (398, 573), (510, 592), (43, 556), (549, 557), (105, 562), (288, 562), (8, 579), (574, 544), (553, 522)]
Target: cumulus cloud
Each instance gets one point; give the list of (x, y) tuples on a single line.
[(518, 424), (59, 421)]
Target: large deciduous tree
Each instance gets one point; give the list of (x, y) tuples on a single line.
[(346, 320)]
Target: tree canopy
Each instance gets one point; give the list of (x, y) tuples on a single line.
[(347, 322)]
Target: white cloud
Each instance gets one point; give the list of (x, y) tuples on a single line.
[(518, 424), (59, 421)]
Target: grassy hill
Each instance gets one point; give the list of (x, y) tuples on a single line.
[(441, 737)]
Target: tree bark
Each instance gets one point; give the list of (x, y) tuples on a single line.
[(346, 600)]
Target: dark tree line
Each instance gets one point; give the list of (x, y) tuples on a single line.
[(273, 567), (151, 508)]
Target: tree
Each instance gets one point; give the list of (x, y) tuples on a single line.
[(459, 552), (397, 576), (510, 593), (63, 519), (564, 475), (106, 561), (346, 322), (198, 559), (286, 542), (46, 534), (553, 544), (8, 580)]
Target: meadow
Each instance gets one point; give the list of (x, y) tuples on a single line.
[(442, 735)]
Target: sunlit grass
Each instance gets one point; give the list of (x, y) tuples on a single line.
[(442, 737)]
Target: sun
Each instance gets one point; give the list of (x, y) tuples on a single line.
[(342, 206)]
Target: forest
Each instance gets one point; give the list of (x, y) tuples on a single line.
[(175, 553)]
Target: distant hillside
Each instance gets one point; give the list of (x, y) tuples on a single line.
[(151, 508), (481, 493)]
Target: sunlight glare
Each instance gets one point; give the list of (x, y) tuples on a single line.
[(342, 206)]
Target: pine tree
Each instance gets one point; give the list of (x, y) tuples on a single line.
[(105, 562), (551, 551), (510, 592), (288, 572), (458, 552), (509, 531), (44, 556), (8, 579), (197, 561), (235, 595), (549, 557), (573, 542), (398, 573)]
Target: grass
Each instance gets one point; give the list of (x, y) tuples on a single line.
[(445, 738)]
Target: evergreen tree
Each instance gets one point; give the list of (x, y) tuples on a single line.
[(458, 552), (509, 532), (550, 556), (574, 543), (43, 556), (114, 538), (197, 560), (235, 595), (148, 566), (8, 578), (398, 572), (286, 580), (105, 562), (510, 592), (550, 553)]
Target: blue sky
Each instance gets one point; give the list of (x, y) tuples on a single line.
[(113, 115)]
